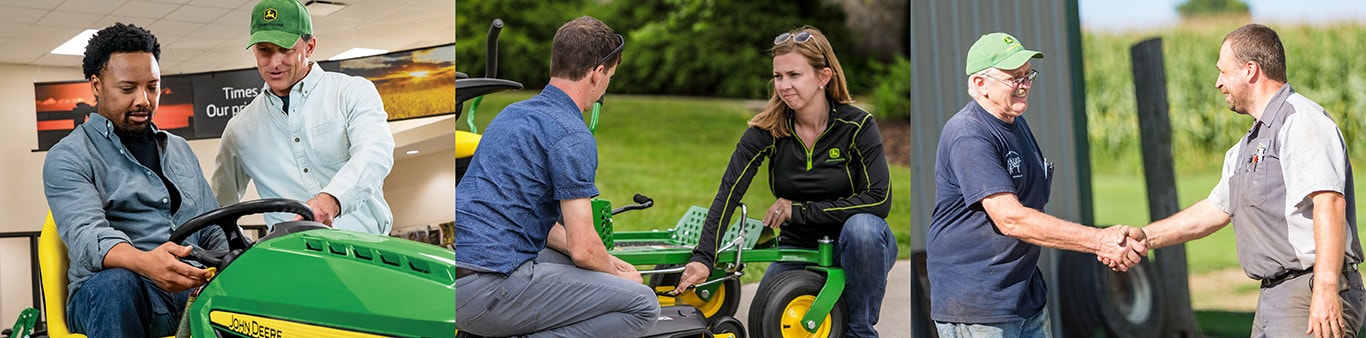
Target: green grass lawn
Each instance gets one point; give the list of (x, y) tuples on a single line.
[(674, 149), (1123, 199)]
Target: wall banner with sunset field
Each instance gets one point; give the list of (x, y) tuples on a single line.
[(413, 83)]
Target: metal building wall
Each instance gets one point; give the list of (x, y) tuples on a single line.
[(941, 32)]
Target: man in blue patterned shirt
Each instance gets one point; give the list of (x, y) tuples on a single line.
[(519, 272)]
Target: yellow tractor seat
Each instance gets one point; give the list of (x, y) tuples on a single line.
[(52, 264), (465, 143)]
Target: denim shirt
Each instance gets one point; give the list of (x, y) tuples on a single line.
[(334, 139), (535, 154), (101, 196)]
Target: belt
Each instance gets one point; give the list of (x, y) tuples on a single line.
[(1274, 281)]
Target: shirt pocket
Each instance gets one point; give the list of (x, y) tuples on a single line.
[(329, 141), (1268, 184), (1257, 180)]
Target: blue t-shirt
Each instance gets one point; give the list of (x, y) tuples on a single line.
[(534, 154), (978, 275)]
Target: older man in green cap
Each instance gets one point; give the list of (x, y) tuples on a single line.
[(987, 230), (311, 135)]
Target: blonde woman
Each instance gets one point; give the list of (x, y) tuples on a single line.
[(826, 170)]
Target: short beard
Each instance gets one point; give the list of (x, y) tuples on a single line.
[(1239, 104), (139, 132)]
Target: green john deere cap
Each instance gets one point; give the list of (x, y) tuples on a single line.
[(280, 22), (998, 50)]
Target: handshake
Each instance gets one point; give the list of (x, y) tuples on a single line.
[(1121, 247)]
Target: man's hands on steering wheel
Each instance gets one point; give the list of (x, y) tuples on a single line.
[(161, 265), (325, 208), (226, 218)]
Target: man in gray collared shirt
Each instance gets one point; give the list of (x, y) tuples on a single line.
[(1287, 188)]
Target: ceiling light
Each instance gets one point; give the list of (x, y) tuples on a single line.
[(323, 8), (75, 46), (357, 52), (413, 152)]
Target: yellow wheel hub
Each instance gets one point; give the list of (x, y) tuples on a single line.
[(792, 319), (708, 308)]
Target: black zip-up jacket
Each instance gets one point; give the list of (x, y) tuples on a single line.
[(845, 173)]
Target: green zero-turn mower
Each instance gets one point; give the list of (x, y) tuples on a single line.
[(797, 303)]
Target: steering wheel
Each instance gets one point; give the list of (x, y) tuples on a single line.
[(226, 218)]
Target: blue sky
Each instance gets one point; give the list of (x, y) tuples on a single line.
[(1118, 15)]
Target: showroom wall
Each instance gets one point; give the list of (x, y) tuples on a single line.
[(22, 206), (420, 189)]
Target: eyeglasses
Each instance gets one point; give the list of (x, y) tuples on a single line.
[(1029, 77), (614, 51), (800, 37)]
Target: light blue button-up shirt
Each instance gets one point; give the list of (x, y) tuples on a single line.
[(334, 139), (101, 196)]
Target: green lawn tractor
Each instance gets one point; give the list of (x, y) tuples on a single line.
[(302, 279)]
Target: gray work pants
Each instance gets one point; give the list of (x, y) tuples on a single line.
[(551, 297), (1283, 310)]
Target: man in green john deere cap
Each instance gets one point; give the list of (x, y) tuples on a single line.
[(991, 181), (311, 135)]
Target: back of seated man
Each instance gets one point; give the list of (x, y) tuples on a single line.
[(519, 272), (118, 187)]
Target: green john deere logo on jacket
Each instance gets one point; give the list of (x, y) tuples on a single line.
[(835, 156)]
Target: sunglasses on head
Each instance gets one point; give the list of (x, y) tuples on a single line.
[(799, 37), (616, 51)]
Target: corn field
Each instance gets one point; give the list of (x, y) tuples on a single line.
[(1324, 63)]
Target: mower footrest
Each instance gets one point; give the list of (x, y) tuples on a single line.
[(683, 321)]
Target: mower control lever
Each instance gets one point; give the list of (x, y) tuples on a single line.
[(642, 202)]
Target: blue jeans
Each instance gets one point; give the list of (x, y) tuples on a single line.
[(120, 303), (551, 297), (866, 250), (1033, 327)]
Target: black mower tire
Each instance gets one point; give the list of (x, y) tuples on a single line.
[(729, 292), (726, 324), (792, 291)]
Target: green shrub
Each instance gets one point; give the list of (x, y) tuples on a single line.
[(673, 47), (892, 89), (1194, 8), (716, 48), (524, 44)]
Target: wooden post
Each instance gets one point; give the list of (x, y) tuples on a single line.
[(1150, 91)]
